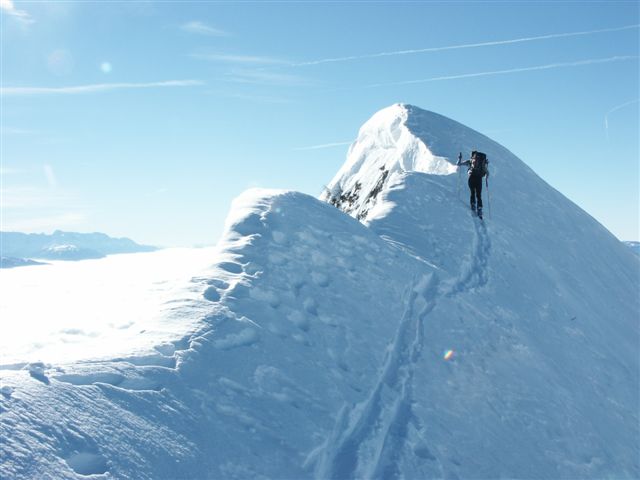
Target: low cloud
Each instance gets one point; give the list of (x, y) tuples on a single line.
[(462, 46), (238, 59), (8, 7), (617, 107), (200, 28), (263, 77), (94, 88), (324, 145), (591, 61), (251, 97)]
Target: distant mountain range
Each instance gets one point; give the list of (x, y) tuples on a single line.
[(17, 249), (10, 262)]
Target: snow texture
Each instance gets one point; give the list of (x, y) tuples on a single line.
[(634, 246), (318, 349), (121, 305)]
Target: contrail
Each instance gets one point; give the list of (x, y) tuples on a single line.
[(618, 107), (99, 87), (468, 45), (511, 70), (324, 145)]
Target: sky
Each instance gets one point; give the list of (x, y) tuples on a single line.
[(145, 119)]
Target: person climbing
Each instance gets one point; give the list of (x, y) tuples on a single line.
[(477, 169)]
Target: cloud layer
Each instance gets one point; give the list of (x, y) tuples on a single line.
[(8, 7), (201, 28), (578, 63), (238, 59), (94, 88), (324, 145), (462, 46)]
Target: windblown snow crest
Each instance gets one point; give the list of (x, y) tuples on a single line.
[(320, 350), (385, 147), (396, 140)]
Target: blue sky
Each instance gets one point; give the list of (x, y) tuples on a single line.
[(145, 119)]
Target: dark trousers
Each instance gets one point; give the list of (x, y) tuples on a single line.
[(475, 185)]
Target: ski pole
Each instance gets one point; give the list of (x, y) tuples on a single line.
[(488, 194), (458, 182)]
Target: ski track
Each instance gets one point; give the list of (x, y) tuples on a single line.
[(368, 438), (473, 273)]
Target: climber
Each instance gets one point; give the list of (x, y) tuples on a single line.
[(477, 169)]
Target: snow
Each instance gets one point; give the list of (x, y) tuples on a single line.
[(385, 148), (62, 248), (308, 344), (116, 306), (634, 246)]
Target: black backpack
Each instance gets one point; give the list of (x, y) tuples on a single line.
[(478, 163)]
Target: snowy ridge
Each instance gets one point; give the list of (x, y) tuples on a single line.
[(273, 310), (385, 148), (531, 286), (367, 439), (318, 349), (634, 246)]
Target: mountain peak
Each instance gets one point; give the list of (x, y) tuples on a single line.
[(389, 144), (400, 139)]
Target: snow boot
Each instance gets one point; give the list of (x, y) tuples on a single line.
[(480, 212)]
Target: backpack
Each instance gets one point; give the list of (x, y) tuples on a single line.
[(478, 164)]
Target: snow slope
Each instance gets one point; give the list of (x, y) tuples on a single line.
[(78, 311), (540, 302), (634, 246), (302, 303), (320, 344)]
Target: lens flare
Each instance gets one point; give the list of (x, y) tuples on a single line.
[(448, 354)]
